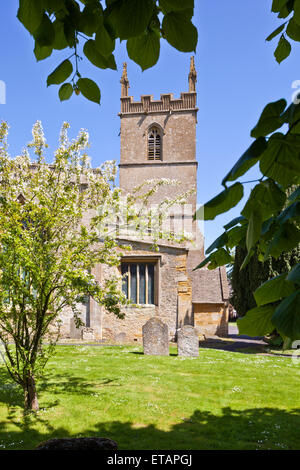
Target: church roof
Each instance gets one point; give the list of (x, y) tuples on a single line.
[(210, 286)]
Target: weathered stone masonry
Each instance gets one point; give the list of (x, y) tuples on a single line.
[(172, 284)]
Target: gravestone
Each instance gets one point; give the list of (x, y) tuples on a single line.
[(156, 337), (187, 341), (75, 333), (87, 333), (82, 332)]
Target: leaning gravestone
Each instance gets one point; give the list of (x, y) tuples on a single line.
[(187, 341), (156, 337)]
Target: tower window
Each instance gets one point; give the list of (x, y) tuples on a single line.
[(154, 144)]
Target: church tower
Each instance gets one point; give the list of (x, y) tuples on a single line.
[(158, 140)]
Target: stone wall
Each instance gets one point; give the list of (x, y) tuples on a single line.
[(173, 283), (178, 136), (211, 319)]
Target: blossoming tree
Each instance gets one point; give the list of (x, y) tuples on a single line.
[(47, 252)]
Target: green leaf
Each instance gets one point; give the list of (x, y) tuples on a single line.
[(247, 259), (108, 2), (180, 32), (230, 239), (221, 203), (91, 52), (175, 5), (91, 18), (285, 238), (65, 91), (270, 119), (283, 49), (265, 198), (234, 222), (291, 116), (277, 5), (297, 11), (247, 160), (30, 14), (286, 9), (69, 32), (144, 50), (267, 224), (42, 52), (188, 13), (274, 289), (129, 18), (45, 33), (294, 274), (61, 73), (218, 243), (286, 317), (281, 160), (104, 42), (236, 235), (293, 30), (275, 33), (60, 41), (257, 321), (74, 15), (89, 89), (220, 257), (54, 6), (203, 263), (254, 229)]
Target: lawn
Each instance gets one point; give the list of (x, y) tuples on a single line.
[(221, 400)]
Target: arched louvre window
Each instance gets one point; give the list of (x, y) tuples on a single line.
[(154, 144)]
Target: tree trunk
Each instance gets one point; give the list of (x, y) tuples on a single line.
[(30, 395)]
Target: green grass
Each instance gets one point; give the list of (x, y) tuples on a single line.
[(221, 400)]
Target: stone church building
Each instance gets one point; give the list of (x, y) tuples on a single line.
[(158, 140)]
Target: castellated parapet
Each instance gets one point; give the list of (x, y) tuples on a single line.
[(147, 105), (167, 103)]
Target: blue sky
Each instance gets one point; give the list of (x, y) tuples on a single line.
[(237, 76)]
